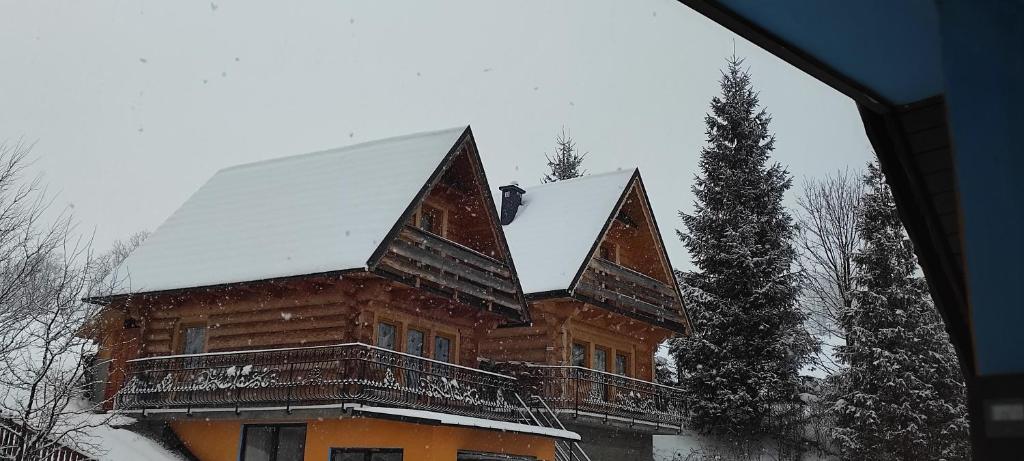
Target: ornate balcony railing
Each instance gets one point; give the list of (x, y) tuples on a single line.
[(444, 265), (311, 376), (630, 291), (583, 392)]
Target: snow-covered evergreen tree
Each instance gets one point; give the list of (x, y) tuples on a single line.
[(902, 395), (566, 162), (749, 340)]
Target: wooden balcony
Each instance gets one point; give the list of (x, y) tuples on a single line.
[(428, 261), (629, 291), (311, 378), (605, 398)]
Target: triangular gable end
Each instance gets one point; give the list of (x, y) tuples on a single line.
[(628, 270), (449, 240)]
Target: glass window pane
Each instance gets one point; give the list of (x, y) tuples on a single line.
[(386, 335), (291, 443), (442, 349), (482, 456), (579, 355), (386, 456), (365, 454), (338, 455), (431, 219), (427, 222), (414, 342), (259, 443), (194, 341), (621, 364), (600, 360)]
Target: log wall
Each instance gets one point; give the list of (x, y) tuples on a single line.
[(557, 323), (311, 312)]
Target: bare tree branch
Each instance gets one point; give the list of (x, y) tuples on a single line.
[(827, 239), (44, 273)]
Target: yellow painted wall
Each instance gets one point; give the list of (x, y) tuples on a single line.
[(210, 440), (219, 440)]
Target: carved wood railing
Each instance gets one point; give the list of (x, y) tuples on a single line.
[(315, 376), (583, 392), (420, 255), (629, 290)]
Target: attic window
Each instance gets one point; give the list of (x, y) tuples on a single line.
[(431, 219)]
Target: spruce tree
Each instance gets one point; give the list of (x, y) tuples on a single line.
[(567, 161), (749, 340), (901, 396)]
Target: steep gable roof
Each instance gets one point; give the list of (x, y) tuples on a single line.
[(554, 230), (556, 234), (307, 214)]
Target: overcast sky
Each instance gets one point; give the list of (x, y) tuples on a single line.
[(134, 105)]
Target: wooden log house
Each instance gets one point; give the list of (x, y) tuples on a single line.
[(602, 298), (347, 304)]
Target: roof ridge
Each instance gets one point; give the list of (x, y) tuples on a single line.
[(340, 149)]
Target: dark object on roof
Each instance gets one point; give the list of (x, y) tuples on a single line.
[(511, 199)]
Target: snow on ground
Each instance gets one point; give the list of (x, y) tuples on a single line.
[(106, 436), (113, 442)]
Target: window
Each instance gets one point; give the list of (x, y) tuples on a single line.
[(387, 336), (366, 454), (431, 219), (273, 442), (621, 364), (600, 359), (579, 355), (442, 349), (599, 391), (414, 342), (484, 456), (413, 346), (192, 339)]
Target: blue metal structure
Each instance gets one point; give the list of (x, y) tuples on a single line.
[(940, 85)]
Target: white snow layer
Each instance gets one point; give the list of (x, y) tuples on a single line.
[(466, 421), (558, 224), (318, 212), (113, 443)]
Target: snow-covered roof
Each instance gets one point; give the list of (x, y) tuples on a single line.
[(557, 225), (313, 213)]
